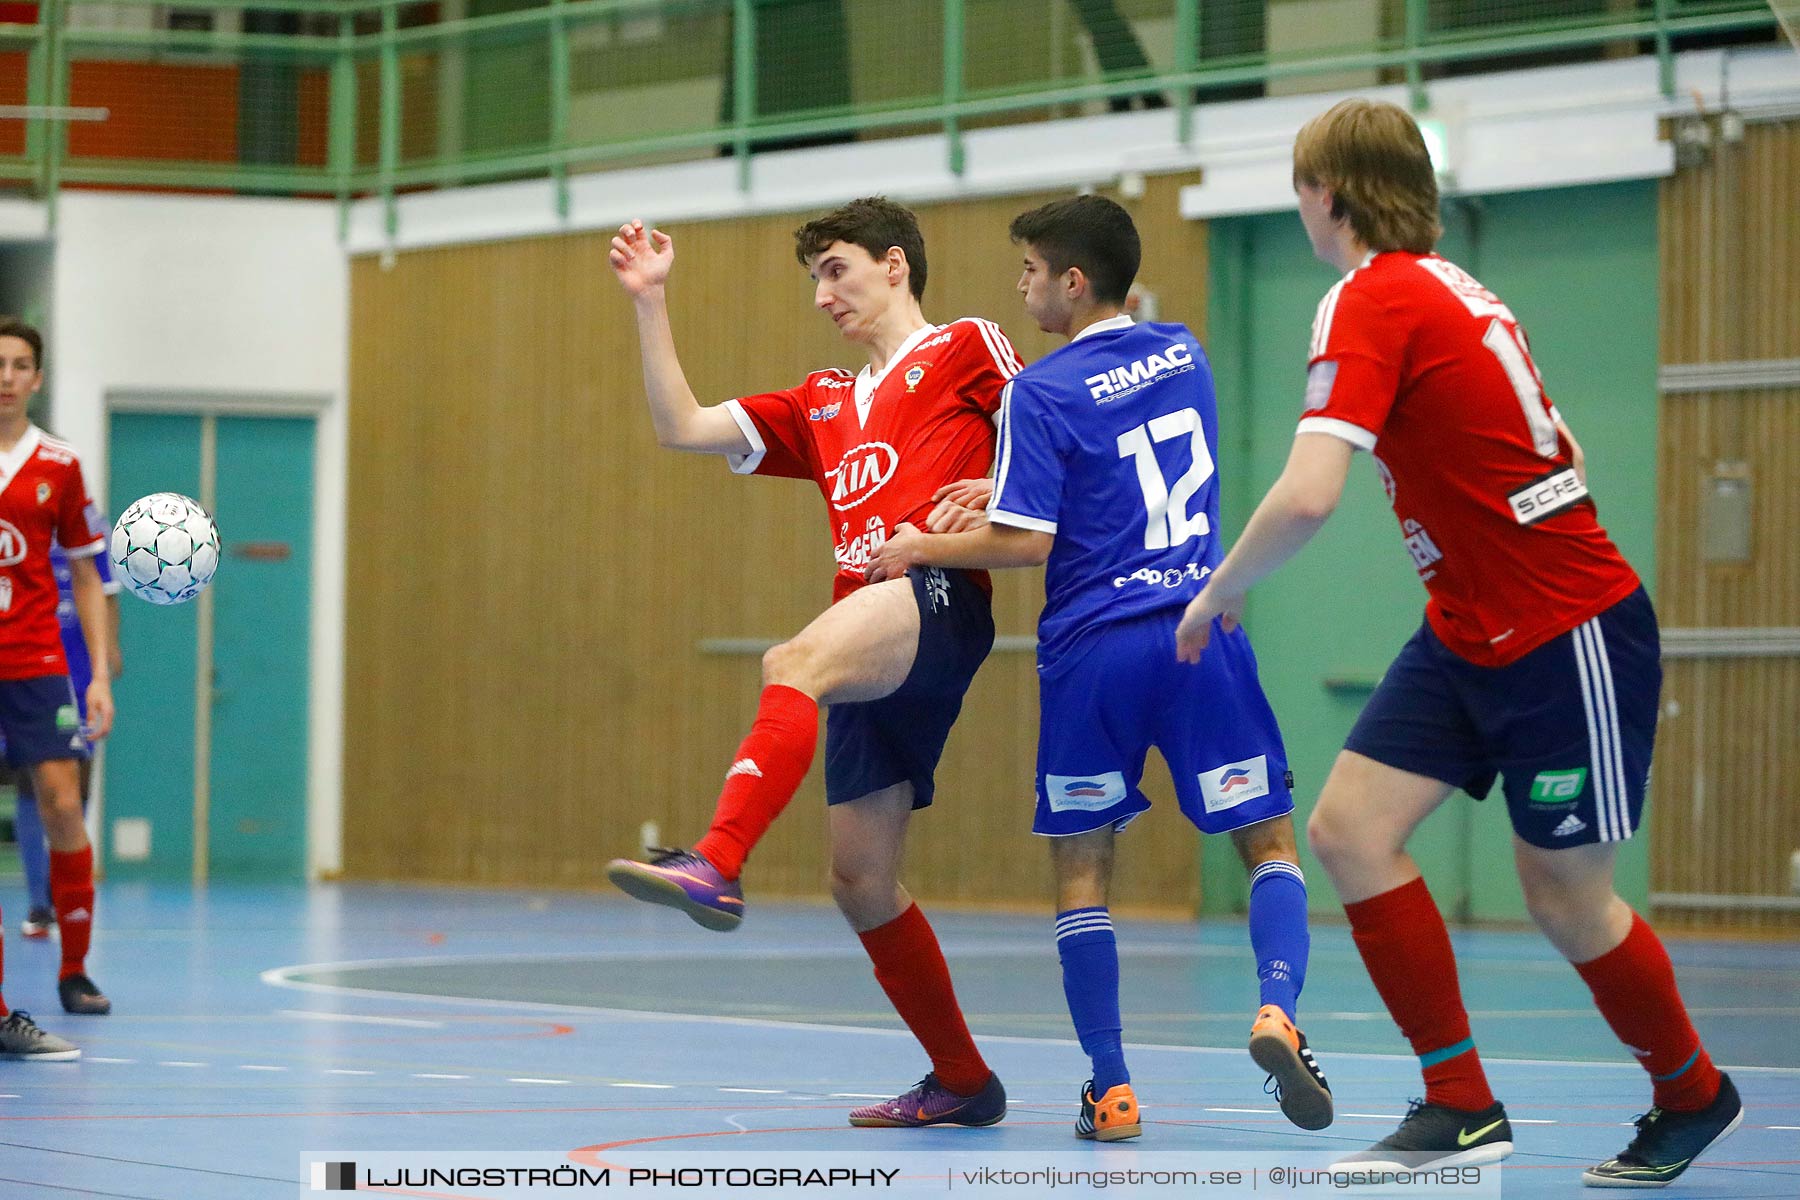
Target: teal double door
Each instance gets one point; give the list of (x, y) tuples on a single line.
[(205, 771)]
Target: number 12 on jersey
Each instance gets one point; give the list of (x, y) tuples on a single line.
[(1167, 522)]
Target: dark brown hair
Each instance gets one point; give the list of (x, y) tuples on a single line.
[(1090, 232), (13, 327), (875, 223)]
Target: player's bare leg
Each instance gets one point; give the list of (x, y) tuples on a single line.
[(58, 787), (1280, 938), (861, 648), (867, 845)]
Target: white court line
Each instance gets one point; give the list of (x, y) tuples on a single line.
[(314, 1014), (756, 1091), (345, 1071), (9, 1095), (856, 1096), (1781, 1127), (657, 1086), (179, 1063), (258, 1067), (98, 1058), (1254, 1110), (435, 1075), (529, 1079), (282, 977)]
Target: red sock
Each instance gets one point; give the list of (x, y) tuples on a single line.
[(1406, 948), (72, 895), (1634, 986), (763, 777), (910, 967)]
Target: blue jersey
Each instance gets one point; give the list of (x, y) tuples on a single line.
[(74, 645), (1109, 443)]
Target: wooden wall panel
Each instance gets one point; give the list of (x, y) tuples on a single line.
[(531, 574), (1724, 821)]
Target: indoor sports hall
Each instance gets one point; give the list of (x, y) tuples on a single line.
[(343, 273)]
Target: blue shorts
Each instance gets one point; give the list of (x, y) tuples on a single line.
[(1570, 726), (40, 720), (1121, 690), (900, 737)]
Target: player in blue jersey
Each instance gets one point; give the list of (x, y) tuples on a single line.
[(28, 827), (1106, 472)]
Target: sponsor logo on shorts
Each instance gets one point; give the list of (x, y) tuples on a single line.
[(1084, 793), (1571, 825), (68, 717), (1558, 787), (1234, 783), (937, 589)]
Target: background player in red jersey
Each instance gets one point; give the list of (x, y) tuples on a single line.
[(894, 659), (1538, 660), (43, 495)]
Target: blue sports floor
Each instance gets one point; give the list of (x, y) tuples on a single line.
[(251, 1024)]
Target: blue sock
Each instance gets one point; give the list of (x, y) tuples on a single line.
[(34, 852), (1090, 965), (1278, 932)]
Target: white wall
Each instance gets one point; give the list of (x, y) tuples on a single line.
[(218, 295)]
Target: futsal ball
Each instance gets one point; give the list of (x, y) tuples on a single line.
[(165, 548)]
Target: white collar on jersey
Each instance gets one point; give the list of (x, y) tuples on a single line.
[(867, 381), (16, 458), (1122, 321)]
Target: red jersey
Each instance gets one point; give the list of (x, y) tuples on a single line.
[(878, 444), (1416, 362), (42, 495)]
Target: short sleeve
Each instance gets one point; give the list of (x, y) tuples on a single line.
[(80, 525), (1028, 483), (774, 423), (1353, 373), (990, 362)]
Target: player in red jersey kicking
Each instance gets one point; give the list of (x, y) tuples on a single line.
[(894, 659), (1538, 659), (43, 495)]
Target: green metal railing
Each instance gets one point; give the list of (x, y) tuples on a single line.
[(353, 98)]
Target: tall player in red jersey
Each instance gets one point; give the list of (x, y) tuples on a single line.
[(43, 496), (1538, 660), (891, 659)]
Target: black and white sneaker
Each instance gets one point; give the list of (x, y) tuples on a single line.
[(1668, 1142), (1433, 1136), (38, 923), (20, 1038), (79, 995), (1295, 1080)]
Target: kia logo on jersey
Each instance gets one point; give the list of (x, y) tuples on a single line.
[(12, 545), (861, 473)]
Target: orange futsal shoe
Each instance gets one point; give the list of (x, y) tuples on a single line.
[(1112, 1118), (1298, 1084)]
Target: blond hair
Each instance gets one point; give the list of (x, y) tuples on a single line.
[(1372, 158)]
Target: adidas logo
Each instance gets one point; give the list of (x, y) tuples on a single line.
[(78, 914), (1570, 826), (744, 766)]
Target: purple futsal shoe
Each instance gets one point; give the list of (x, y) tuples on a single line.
[(682, 879), (931, 1103)]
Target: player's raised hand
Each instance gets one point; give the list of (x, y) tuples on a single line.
[(1195, 630), (896, 554), (641, 258)]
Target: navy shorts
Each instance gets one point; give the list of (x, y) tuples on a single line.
[(900, 737), (1121, 690), (1569, 727), (40, 720)]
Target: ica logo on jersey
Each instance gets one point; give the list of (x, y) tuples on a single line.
[(12, 545), (861, 473), (1121, 381)]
